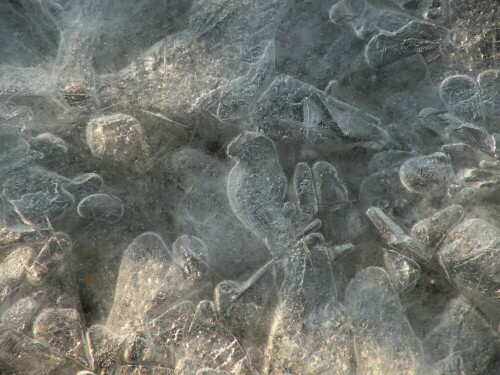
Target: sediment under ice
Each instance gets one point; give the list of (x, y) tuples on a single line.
[(249, 187)]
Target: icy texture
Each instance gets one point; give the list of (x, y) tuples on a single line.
[(119, 138), (151, 276), (309, 322), (218, 187), (425, 174), (385, 342), (256, 188), (101, 207), (464, 254)]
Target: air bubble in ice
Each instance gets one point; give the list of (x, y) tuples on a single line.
[(474, 136), (101, 207), (119, 138), (84, 185), (416, 37), (462, 96), (424, 174), (256, 189)]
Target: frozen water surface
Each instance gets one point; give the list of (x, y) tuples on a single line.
[(214, 187)]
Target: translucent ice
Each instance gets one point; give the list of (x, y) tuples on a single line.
[(384, 190), (20, 315), (256, 188), (73, 69), (475, 136), (393, 235), (461, 94), (53, 148), (365, 18), (84, 185), (151, 277), (101, 207), (403, 271), (119, 138), (489, 81), (245, 307), (36, 194), (24, 81), (415, 37), (13, 269), (431, 231), (424, 174), (143, 280), (8, 236), (304, 187), (37, 207), (170, 329), (289, 108), (385, 342), (325, 336), (20, 354), (104, 347), (191, 255), (203, 210), (438, 121), (387, 160), (470, 260), (145, 370), (309, 322), (139, 348), (462, 155), (254, 260), (436, 10), (214, 65), (49, 258), (461, 340), (209, 371), (342, 221), (213, 344), (61, 330)]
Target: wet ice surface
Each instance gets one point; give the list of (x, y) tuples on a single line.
[(249, 187)]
